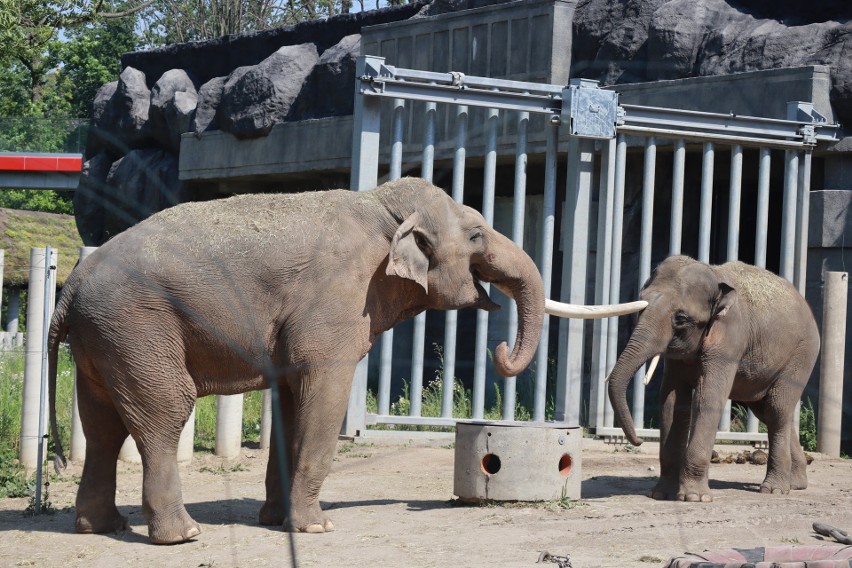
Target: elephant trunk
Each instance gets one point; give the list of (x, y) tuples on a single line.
[(643, 345), (515, 274)]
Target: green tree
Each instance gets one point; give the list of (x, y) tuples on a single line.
[(37, 200)]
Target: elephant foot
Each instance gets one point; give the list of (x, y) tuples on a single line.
[(695, 492), (271, 515), (695, 497), (314, 522), (97, 524), (775, 488), (173, 530), (316, 528), (664, 490)]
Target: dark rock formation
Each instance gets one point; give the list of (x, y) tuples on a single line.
[(209, 96), (173, 101), (121, 115), (257, 97), (330, 89), (139, 184), (90, 197)]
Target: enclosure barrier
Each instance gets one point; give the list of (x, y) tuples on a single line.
[(588, 126), (831, 362)]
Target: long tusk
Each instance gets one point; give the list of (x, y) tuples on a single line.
[(651, 368), (576, 311)]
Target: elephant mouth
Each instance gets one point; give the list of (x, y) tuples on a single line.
[(483, 302)]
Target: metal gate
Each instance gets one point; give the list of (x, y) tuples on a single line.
[(600, 142)]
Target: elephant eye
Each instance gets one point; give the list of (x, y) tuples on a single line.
[(422, 244), (680, 319), (475, 235)]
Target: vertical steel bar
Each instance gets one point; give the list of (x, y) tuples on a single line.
[(569, 385), (518, 209), (678, 168), (706, 215), (452, 316), (788, 215), (49, 284), (419, 340), (647, 231), (386, 364), (803, 214), (762, 207), (490, 176), (615, 271), (734, 199), (366, 124), (548, 227), (603, 268)]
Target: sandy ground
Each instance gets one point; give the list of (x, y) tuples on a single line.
[(392, 504)]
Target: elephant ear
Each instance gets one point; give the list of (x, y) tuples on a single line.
[(406, 259), (727, 299)]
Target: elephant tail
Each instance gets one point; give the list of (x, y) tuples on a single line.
[(58, 332)]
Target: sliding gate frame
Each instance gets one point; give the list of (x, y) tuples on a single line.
[(592, 118)]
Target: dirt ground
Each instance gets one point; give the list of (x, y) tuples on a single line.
[(392, 504)]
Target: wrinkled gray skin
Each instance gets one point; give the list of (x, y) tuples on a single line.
[(208, 298), (735, 332)]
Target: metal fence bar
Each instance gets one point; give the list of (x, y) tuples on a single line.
[(678, 170), (452, 318), (575, 232), (548, 228), (490, 175), (648, 179), (803, 216), (615, 270), (788, 215), (706, 214), (419, 339), (386, 366), (518, 210), (603, 269)]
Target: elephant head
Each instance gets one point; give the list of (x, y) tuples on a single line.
[(686, 299), (448, 249)]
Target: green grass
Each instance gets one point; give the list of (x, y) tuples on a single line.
[(205, 420)]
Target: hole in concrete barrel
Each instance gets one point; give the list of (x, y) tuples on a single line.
[(490, 464), (565, 464)]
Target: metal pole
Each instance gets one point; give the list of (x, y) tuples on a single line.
[(490, 175), (706, 215), (647, 233), (831, 362), (788, 217), (452, 315), (678, 168), (802, 220), (47, 311), (265, 420), (603, 268), (518, 209), (615, 274), (548, 227), (186, 442)]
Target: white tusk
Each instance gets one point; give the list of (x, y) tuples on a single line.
[(651, 368), (576, 311)]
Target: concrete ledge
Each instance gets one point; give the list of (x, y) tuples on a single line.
[(294, 147)]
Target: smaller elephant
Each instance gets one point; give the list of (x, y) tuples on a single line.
[(733, 331)]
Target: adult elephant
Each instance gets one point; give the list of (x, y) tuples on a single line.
[(732, 331), (220, 297)]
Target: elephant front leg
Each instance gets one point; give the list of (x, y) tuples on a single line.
[(313, 406), (676, 397), (710, 397)]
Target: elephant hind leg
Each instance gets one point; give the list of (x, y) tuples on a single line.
[(799, 463), (105, 433), (156, 418)]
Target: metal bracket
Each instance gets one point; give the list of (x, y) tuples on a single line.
[(590, 111)]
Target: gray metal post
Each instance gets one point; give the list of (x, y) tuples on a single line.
[(30, 409), (603, 268), (364, 176), (762, 208), (548, 227), (452, 316), (569, 375), (518, 210), (490, 175), (266, 420), (49, 296), (831, 362), (706, 214), (802, 219), (647, 232), (788, 216), (77, 450), (678, 168), (615, 275)]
